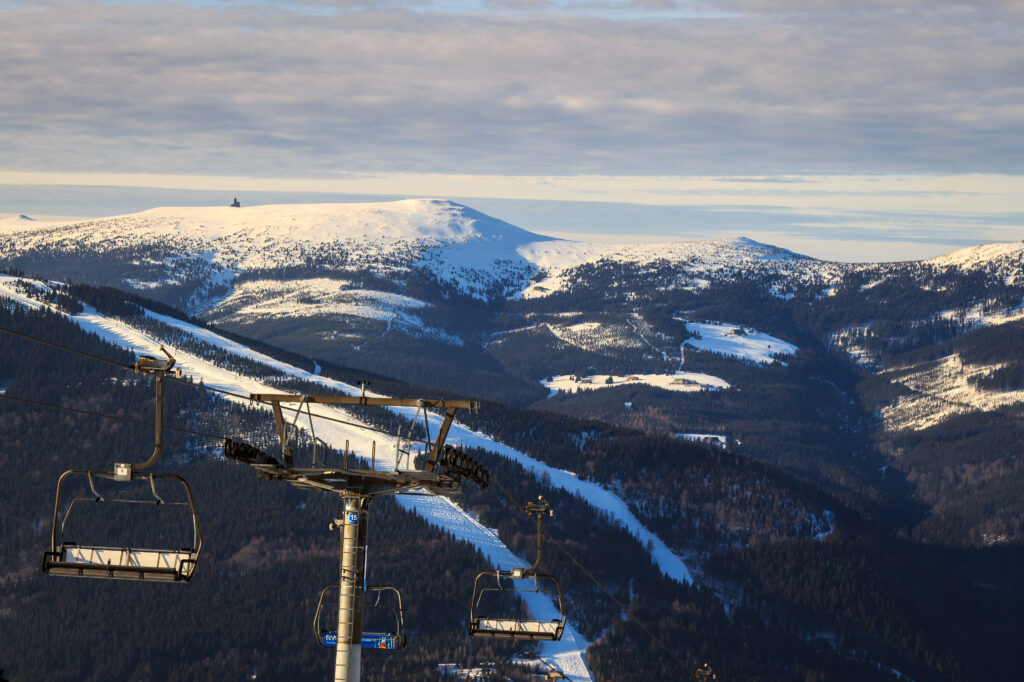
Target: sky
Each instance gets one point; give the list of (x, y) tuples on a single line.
[(867, 130)]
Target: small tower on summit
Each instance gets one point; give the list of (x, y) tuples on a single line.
[(235, 204)]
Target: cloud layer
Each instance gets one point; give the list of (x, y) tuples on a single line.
[(648, 88)]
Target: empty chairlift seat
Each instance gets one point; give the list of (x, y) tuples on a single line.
[(383, 620), (102, 560), (498, 596), (488, 617), (120, 562)]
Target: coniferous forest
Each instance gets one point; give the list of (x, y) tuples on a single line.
[(779, 596)]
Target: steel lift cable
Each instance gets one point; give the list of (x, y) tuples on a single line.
[(213, 389), (100, 415), (58, 346)]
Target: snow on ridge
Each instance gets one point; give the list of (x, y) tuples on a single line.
[(407, 219), (556, 260), (412, 220), (491, 263), (973, 257)]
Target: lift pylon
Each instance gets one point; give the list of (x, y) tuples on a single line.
[(442, 474)]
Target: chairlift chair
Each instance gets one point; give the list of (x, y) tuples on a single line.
[(68, 558), (482, 623), (90, 560), (390, 639)]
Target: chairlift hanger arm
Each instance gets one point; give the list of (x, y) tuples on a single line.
[(158, 367)]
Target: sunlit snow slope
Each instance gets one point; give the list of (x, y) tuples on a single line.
[(567, 654)]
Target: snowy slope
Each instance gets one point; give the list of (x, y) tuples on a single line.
[(468, 250), (941, 390), (567, 654), (974, 257), (735, 341), (594, 494)]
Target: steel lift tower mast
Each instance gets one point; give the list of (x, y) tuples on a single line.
[(442, 473)]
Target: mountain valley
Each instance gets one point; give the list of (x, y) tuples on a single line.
[(780, 427)]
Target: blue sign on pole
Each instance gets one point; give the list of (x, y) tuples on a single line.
[(370, 640), (353, 518)]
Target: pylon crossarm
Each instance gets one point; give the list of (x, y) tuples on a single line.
[(364, 400)]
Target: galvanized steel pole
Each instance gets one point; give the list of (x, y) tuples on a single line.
[(350, 595)]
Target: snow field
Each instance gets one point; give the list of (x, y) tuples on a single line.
[(942, 389), (980, 256), (596, 336), (686, 382), (735, 341), (978, 317), (252, 301), (705, 438)]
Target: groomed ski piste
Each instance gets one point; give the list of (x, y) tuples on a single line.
[(569, 653)]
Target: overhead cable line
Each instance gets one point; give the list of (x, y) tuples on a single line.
[(336, 420), (100, 415), (214, 389), (66, 349)]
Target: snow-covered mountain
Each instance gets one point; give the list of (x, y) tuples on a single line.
[(168, 247), (339, 279), (893, 391)]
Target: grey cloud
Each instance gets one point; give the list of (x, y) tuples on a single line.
[(260, 90)]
